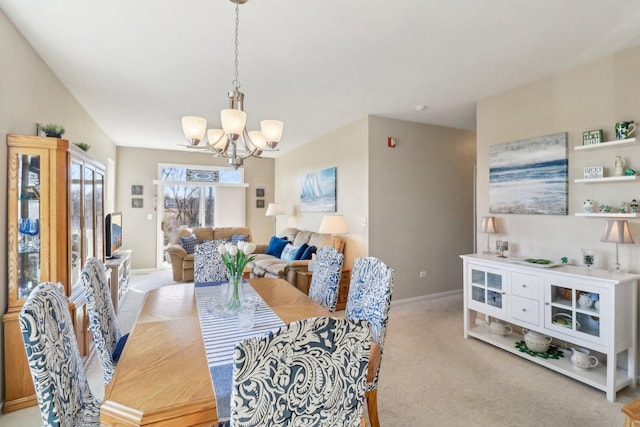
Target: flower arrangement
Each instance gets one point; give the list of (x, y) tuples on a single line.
[(237, 257)]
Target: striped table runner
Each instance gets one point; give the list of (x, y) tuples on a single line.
[(221, 335)]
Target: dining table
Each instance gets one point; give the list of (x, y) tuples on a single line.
[(164, 375)]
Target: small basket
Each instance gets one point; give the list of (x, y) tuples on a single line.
[(564, 293)]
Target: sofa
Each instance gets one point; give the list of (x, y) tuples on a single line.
[(182, 261), (266, 265)]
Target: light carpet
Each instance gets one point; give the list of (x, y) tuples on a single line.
[(432, 376)]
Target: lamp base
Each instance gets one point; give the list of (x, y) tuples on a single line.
[(617, 269)]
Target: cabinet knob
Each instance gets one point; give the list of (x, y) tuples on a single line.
[(546, 303), (524, 309), (524, 286)]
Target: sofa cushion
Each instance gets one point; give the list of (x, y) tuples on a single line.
[(235, 238), (289, 253), (276, 245), (309, 252), (189, 243), (203, 233), (272, 266), (300, 252)]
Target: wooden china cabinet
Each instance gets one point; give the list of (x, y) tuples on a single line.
[(55, 221)]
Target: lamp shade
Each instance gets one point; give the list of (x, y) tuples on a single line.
[(616, 231), (233, 121), (488, 225), (333, 224), (272, 130), (274, 209), (194, 128)]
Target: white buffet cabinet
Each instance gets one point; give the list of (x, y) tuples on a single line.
[(536, 298)]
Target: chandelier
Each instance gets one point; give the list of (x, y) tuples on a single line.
[(233, 142)]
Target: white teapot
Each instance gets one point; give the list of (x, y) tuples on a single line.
[(585, 300), (499, 328), (581, 358)]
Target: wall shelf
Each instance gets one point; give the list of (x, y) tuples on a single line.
[(608, 179), (610, 214), (608, 144)]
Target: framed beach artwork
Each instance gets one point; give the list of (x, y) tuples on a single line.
[(318, 191), (529, 176)]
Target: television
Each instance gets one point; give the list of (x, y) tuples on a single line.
[(113, 234)]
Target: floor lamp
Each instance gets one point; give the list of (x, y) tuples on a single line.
[(274, 209), (333, 224), (616, 231), (488, 225)]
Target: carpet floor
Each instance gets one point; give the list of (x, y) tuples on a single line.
[(432, 376)]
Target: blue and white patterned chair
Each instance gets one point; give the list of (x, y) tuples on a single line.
[(311, 372), (207, 263), (63, 392), (369, 299), (326, 277), (102, 317)]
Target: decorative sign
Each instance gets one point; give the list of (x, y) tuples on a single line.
[(591, 137), (594, 172)]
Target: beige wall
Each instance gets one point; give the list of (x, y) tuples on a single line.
[(31, 93), (593, 96), (346, 149), (137, 166), (421, 203), (394, 198)]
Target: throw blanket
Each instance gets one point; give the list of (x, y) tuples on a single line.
[(221, 334)]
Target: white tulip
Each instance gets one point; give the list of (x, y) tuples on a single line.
[(222, 249), (249, 248), (242, 245), (233, 251)]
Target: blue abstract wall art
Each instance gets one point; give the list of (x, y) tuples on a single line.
[(529, 176), (318, 191)]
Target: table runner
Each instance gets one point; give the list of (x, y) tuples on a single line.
[(221, 335)]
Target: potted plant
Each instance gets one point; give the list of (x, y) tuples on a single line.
[(82, 145), (52, 130)]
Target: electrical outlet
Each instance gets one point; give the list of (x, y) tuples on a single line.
[(423, 274)]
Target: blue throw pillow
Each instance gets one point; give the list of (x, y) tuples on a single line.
[(239, 238), (276, 245), (289, 253), (117, 351), (308, 252), (189, 243), (300, 252)]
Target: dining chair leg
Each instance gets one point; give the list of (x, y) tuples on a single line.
[(372, 407)]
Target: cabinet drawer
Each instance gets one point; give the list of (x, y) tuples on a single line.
[(525, 309), (525, 285)]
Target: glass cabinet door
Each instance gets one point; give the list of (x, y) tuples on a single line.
[(99, 220), (487, 287), (89, 213), (75, 229), (28, 215), (575, 309)]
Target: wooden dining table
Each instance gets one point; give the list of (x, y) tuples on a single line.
[(162, 377)]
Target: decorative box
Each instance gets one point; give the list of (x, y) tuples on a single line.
[(593, 172), (591, 137)]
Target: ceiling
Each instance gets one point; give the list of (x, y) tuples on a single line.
[(138, 66)]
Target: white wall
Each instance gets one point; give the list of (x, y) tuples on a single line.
[(30, 93), (592, 96)]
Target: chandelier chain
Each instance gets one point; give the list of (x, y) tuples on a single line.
[(236, 82)]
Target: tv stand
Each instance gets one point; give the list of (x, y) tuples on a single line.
[(120, 266)]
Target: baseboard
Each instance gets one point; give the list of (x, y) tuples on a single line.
[(425, 297)]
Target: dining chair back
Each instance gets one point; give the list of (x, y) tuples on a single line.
[(61, 386), (370, 299), (310, 372), (103, 322), (326, 277), (207, 262)]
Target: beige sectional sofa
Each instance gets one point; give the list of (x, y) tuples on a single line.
[(182, 262), (270, 266)]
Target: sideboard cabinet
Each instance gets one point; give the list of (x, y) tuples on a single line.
[(55, 210), (548, 301)]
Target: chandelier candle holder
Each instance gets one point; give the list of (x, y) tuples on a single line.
[(488, 225), (233, 142)]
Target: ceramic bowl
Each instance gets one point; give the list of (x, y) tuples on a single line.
[(535, 341)]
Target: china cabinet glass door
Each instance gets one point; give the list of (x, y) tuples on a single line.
[(29, 262), (75, 221), (576, 310), (487, 288)]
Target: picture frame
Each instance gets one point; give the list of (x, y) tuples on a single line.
[(137, 202), (318, 191), (137, 190), (259, 192), (259, 203)]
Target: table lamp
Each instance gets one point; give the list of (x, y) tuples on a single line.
[(274, 209), (488, 225), (333, 224), (616, 231)]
